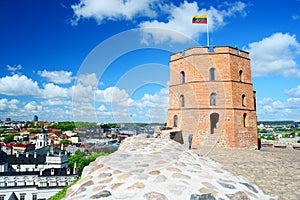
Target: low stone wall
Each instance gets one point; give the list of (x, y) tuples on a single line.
[(280, 143), (159, 169)]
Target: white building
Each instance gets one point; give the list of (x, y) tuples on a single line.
[(42, 140), (35, 185), (38, 174)]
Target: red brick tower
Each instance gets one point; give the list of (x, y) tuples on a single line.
[(211, 95)]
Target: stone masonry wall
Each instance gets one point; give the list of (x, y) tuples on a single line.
[(229, 86), (157, 168)]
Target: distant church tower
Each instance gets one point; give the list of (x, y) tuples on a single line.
[(42, 139), (211, 96)]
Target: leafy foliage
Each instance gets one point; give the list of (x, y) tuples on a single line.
[(272, 123), (64, 141), (32, 125), (64, 126), (109, 125), (96, 155), (81, 159), (8, 138), (270, 138), (262, 131), (62, 193), (34, 130)]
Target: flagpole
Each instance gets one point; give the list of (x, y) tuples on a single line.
[(207, 34)]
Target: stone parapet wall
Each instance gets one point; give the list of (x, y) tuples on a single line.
[(157, 168), (280, 143)]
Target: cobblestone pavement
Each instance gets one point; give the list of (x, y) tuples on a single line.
[(275, 171), (159, 169)]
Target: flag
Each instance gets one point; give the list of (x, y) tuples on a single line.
[(199, 19)]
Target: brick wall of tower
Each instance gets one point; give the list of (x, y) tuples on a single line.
[(234, 96)]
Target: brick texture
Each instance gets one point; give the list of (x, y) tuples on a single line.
[(233, 117)]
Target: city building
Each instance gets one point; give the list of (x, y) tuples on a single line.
[(297, 124), (37, 174), (211, 96), (35, 118), (35, 185), (42, 139)]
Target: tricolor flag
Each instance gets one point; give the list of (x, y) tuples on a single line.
[(199, 19)]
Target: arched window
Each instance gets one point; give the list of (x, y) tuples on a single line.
[(182, 100), (182, 74), (241, 75), (212, 74), (243, 100), (175, 119), (213, 99), (244, 119)]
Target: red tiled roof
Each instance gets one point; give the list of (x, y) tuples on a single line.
[(19, 145)]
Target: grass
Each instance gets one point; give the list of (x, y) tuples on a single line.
[(61, 194)]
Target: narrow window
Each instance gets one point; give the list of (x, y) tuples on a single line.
[(182, 100), (241, 75), (34, 196), (175, 119), (22, 196), (244, 119), (182, 77), (243, 100), (212, 74), (213, 99)]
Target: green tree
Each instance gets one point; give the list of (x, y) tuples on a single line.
[(262, 131), (34, 130), (270, 138), (8, 138), (81, 160), (64, 141), (96, 155), (62, 193)]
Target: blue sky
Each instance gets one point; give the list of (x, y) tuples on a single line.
[(107, 61)]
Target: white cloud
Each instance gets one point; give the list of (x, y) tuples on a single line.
[(275, 55), (180, 22), (158, 104), (293, 92), (294, 103), (54, 91), (88, 80), (13, 69), (265, 101), (6, 104), (57, 102), (33, 107), (102, 108), (85, 88), (82, 93), (114, 10), (273, 110), (58, 77), (17, 85), (178, 17), (116, 105), (159, 99), (112, 95)]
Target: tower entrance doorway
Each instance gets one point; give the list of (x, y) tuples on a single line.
[(214, 119)]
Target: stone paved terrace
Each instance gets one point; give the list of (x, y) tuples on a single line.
[(159, 169), (275, 171)]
